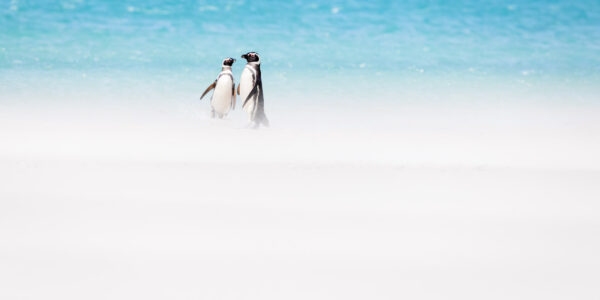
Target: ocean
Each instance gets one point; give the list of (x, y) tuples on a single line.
[(313, 52)]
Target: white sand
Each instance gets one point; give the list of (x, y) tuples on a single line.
[(414, 203)]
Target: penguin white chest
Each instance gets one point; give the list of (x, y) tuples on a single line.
[(222, 98), (246, 85)]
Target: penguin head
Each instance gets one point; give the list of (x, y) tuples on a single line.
[(251, 57), (228, 61)]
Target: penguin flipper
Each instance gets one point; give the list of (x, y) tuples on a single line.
[(233, 95), (253, 92), (260, 112), (238, 91), (210, 87)]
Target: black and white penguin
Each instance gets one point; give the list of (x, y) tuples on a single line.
[(251, 91), (223, 98)]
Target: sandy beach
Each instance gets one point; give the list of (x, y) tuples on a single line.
[(122, 206)]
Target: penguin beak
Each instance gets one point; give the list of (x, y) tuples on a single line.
[(245, 56)]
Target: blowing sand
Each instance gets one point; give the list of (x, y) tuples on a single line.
[(422, 205)]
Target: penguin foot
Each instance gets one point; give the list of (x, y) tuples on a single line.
[(252, 125), (265, 122)]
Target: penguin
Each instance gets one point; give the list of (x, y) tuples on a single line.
[(251, 91), (223, 98)]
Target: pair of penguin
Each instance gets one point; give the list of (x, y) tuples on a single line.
[(249, 89)]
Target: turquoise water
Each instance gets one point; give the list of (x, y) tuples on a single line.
[(336, 48)]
